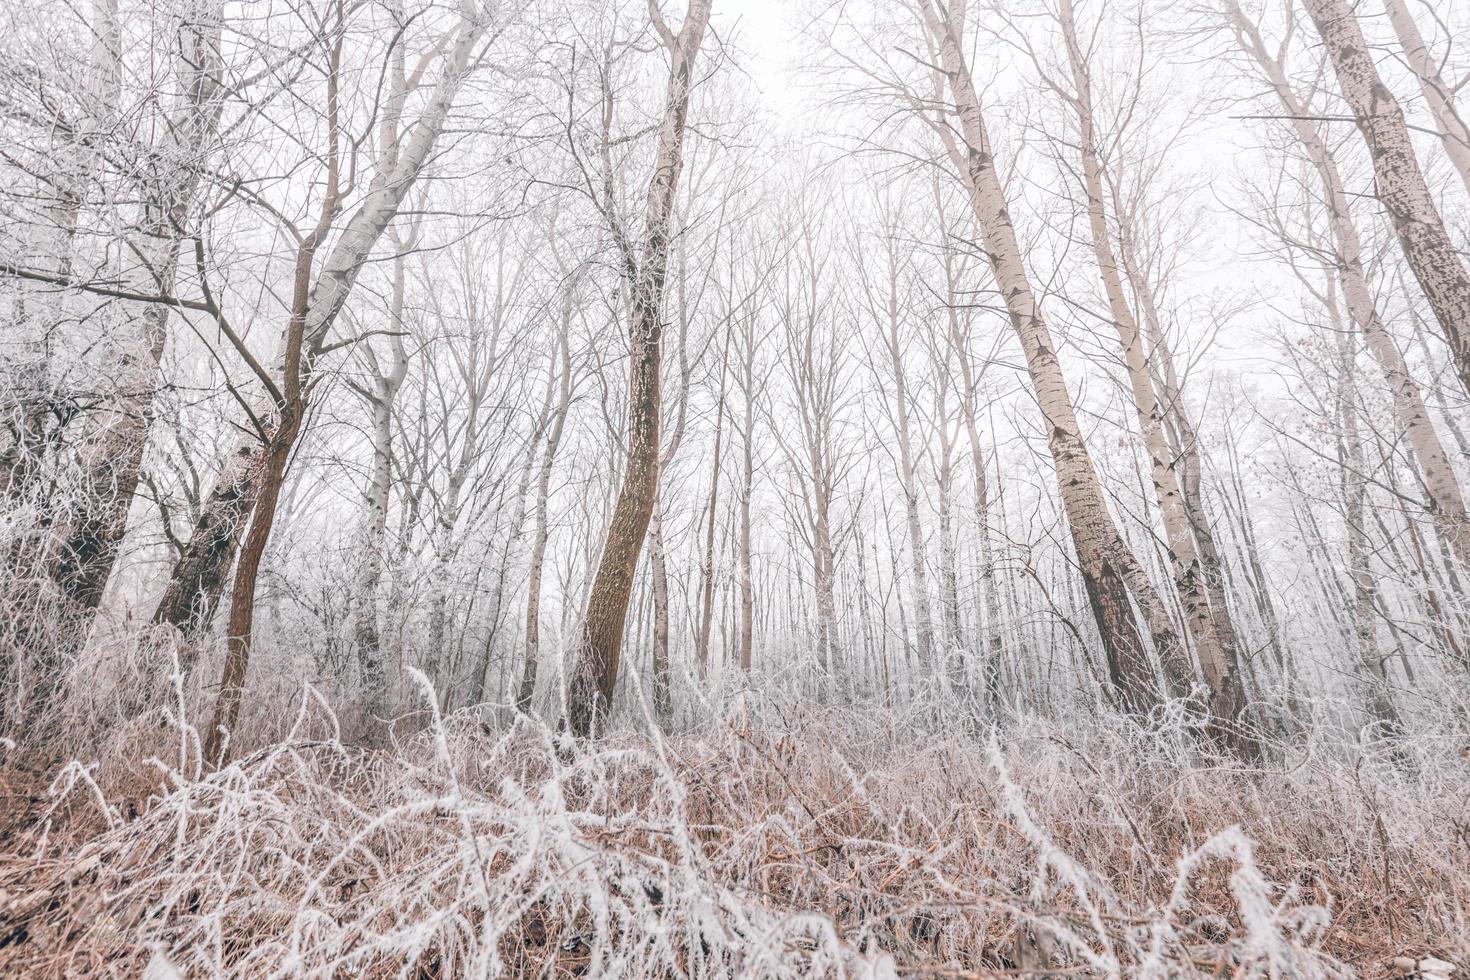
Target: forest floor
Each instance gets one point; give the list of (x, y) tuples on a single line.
[(789, 839)]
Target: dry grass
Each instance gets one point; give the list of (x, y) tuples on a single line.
[(788, 840)]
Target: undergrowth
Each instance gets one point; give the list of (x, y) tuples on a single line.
[(789, 839)]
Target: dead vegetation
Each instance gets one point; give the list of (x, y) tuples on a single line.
[(790, 839)]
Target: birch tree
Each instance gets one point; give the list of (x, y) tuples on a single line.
[(1400, 185), (1446, 501), (1110, 570), (1213, 633), (1439, 94)]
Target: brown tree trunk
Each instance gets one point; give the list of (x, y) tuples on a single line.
[(594, 673), (240, 635), (291, 411)]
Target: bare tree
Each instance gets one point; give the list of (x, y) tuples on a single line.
[(1110, 570), (252, 480), (1401, 188), (561, 371), (593, 677), (1214, 635), (888, 305), (1446, 503), (1440, 95), (84, 540)]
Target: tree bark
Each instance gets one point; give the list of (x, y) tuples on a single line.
[(1109, 568), (594, 675), (1453, 132), (1401, 188)]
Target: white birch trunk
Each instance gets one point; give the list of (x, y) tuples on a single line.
[(1401, 188), (1453, 132)]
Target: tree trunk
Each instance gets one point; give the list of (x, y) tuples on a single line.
[(908, 471), (746, 643), (291, 410), (375, 518), (662, 682), (949, 588), (1401, 189), (1109, 568), (991, 637), (1217, 654), (198, 579), (1377, 696), (541, 533), (240, 637), (707, 559), (1453, 132), (594, 675)]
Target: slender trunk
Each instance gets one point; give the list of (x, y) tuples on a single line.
[(1217, 657), (594, 676), (662, 688), (541, 533), (1377, 697), (1400, 185), (1453, 132), (508, 560), (707, 560), (991, 637), (747, 488), (949, 587), (240, 637), (1109, 568), (823, 568), (375, 518), (1185, 450), (908, 475)]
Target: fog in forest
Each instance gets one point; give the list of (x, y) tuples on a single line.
[(734, 488)]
